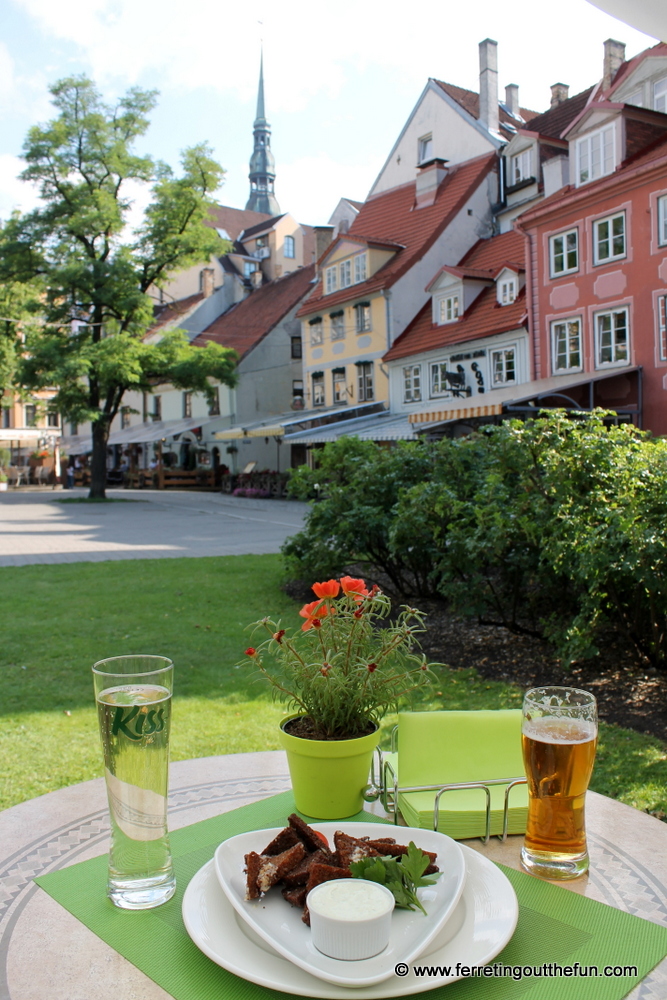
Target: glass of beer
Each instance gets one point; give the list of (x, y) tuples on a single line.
[(558, 736), (133, 695)]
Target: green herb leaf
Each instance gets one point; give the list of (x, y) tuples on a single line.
[(402, 877)]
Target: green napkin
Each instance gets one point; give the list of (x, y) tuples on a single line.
[(442, 748), (555, 926)]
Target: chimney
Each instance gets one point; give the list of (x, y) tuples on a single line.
[(323, 235), (512, 99), (488, 84), (559, 92), (614, 57), (429, 178), (206, 278)]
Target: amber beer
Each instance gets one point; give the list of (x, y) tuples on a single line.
[(559, 737)]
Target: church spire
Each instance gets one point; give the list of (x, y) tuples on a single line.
[(262, 165)]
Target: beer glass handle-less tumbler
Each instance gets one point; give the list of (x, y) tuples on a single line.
[(558, 736), (133, 695)]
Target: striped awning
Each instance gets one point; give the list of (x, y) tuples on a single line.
[(460, 413)]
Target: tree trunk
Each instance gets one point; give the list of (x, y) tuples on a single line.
[(98, 462)]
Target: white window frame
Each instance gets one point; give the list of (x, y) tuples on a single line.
[(412, 384), (596, 155), (365, 388), (502, 354), (507, 291), (337, 321), (438, 386), (338, 380), (345, 273), (449, 308), (610, 238), (317, 383), (316, 332), (636, 98), (662, 220), (331, 278), (289, 247), (521, 167), (362, 317), (660, 95), (618, 347), (661, 305), (425, 148), (360, 269), (559, 249), (564, 330)]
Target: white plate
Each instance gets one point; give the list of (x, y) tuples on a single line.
[(281, 925), (480, 927)]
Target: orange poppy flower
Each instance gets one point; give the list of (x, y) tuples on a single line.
[(353, 588), (328, 589), (312, 613)]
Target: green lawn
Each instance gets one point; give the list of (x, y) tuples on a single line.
[(57, 620)]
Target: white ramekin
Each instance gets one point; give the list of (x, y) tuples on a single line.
[(350, 918)]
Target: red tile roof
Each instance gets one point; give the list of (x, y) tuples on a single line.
[(235, 220), (166, 315), (469, 101), (626, 68), (391, 216), (484, 318), (554, 121), (245, 324)]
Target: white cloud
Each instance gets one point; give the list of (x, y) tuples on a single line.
[(303, 181), (14, 193)]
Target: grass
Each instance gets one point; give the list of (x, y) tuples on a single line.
[(64, 617)]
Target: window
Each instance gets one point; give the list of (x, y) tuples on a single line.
[(248, 268), (318, 388), (296, 347), (566, 345), (660, 96), (564, 253), (637, 98), (288, 247), (359, 268), (439, 383), (297, 388), (315, 331), (662, 220), (662, 327), (214, 405), (52, 419), (425, 148), (157, 407), (449, 309), (339, 389), (345, 273), (412, 382), (30, 415), (365, 381), (521, 167), (609, 238), (503, 366), (611, 337), (331, 280), (124, 418), (595, 155), (74, 429), (337, 325), (187, 404), (506, 291), (362, 313), (6, 418)]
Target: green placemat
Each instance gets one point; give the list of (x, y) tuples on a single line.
[(555, 926)]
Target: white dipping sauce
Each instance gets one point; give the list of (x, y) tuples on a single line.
[(350, 900)]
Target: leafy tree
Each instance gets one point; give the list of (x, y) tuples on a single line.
[(19, 305), (96, 273)]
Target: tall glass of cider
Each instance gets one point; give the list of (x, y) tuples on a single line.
[(558, 735), (133, 695)]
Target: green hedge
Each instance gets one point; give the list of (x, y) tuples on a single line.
[(553, 526)]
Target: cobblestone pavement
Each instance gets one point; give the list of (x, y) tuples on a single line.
[(37, 527)]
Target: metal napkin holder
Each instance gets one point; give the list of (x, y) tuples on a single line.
[(384, 786)]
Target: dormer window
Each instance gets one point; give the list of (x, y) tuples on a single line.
[(331, 279), (359, 268), (450, 309), (425, 148), (595, 155), (506, 291), (660, 96), (521, 167), (345, 273)]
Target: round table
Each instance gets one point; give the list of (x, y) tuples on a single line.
[(46, 954)]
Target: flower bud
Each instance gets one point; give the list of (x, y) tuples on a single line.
[(278, 636), (251, 651), (372, 667)]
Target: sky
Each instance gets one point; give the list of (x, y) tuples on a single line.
[(340, 79)]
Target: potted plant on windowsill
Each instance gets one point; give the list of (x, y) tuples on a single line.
[(339, 674)]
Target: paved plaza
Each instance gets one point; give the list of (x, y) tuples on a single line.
[(36, 527)]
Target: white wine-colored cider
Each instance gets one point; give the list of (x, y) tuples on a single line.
[(558, 755)]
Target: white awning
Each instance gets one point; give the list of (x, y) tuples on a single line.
[(280, 426), (377, 427), (157, 430)]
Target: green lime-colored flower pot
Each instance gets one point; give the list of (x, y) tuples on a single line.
[(328, 776)]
